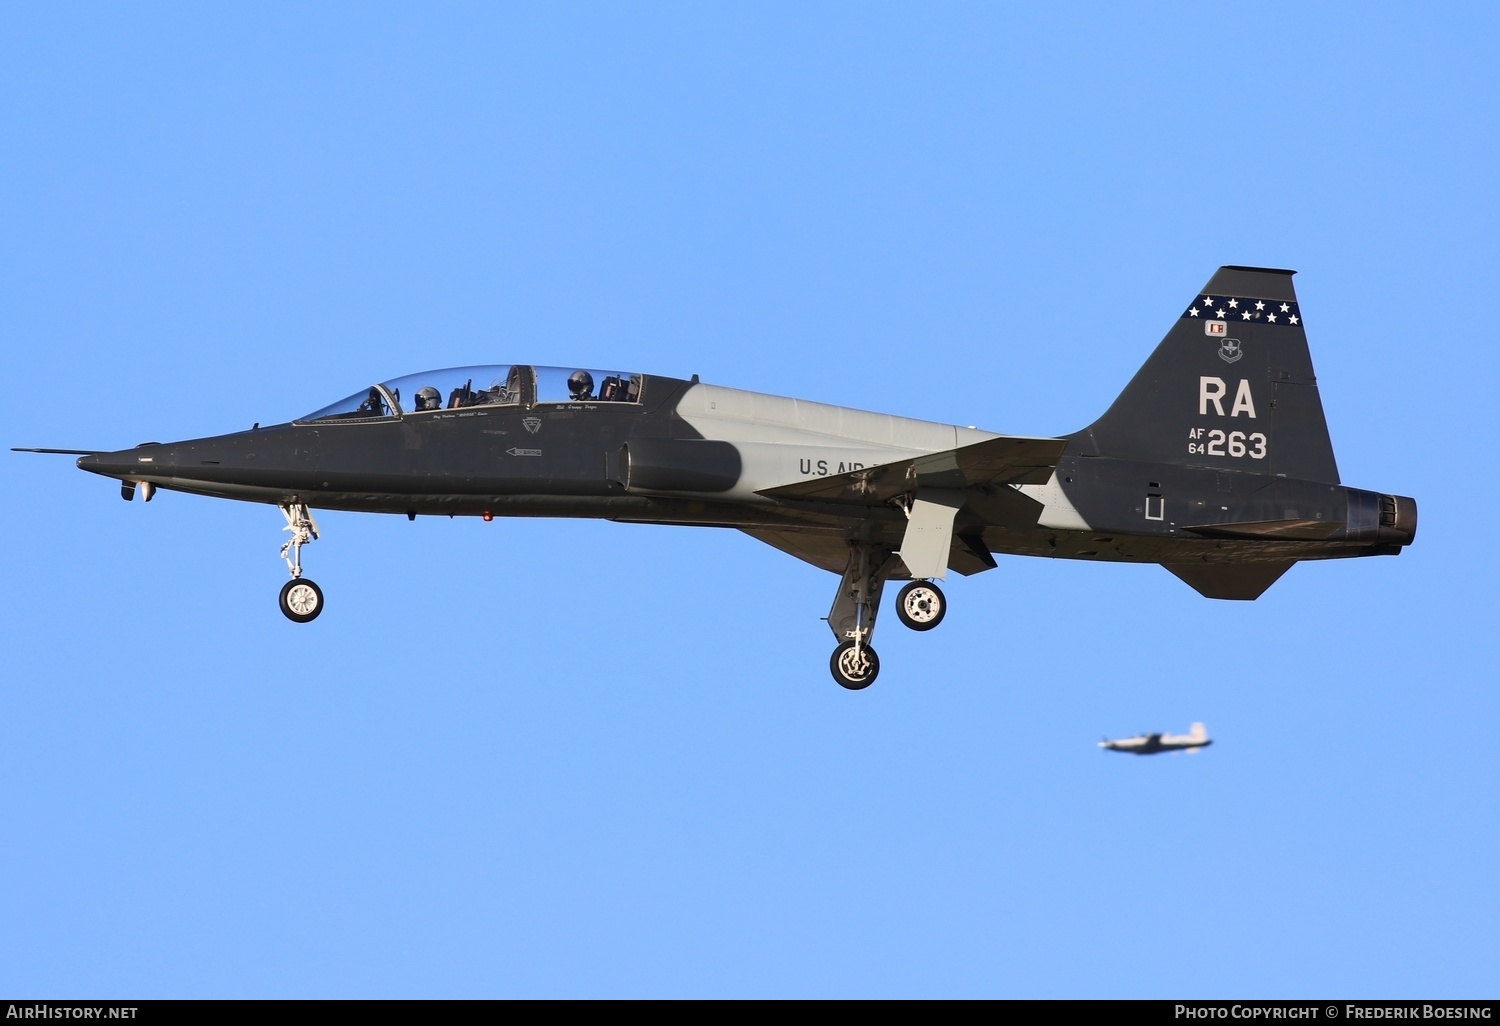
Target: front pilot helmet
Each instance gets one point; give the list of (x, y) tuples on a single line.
[(580, 384), (428, 398)]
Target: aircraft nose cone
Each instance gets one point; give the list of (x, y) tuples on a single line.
[(127, 462), (279, 458)]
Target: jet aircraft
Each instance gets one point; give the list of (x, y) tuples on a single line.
[(1151, 744), (1215, 462)]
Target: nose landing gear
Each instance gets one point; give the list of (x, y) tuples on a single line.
[(301, 600)]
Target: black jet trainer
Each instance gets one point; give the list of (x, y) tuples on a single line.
[(1215, 462)]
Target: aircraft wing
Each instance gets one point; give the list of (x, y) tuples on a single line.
[(995, 461), (826, 550)]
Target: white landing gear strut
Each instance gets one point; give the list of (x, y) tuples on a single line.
[(301, 600), (854, 663)]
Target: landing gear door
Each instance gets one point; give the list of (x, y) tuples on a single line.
[(929, 532)]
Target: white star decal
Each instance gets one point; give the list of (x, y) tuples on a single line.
[(1193, 312), (1271, 318), (1259, 305), (1292, 318), (1234, 304), (1245, 314), (1219, 312), (1208, 300), (1284, 308)]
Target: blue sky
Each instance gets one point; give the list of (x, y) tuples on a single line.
[(491, 770)]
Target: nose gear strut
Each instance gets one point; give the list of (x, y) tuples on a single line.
[(301, 600)]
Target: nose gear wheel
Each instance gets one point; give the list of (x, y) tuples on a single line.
[(301, 600)]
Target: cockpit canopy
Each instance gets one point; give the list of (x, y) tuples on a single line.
[(493, 385)]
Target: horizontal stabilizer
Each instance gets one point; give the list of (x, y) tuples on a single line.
[(995, 461), (1245, 581)]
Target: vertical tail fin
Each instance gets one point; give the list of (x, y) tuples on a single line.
[(1198, 732), (1230, 387)]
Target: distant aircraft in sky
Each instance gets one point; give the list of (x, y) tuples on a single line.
[(1214, 462), (1150, 744)]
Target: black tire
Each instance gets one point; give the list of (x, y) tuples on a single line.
[(921, 605), (301, 600), (842, 666)]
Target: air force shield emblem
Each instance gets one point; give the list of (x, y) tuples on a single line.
[(1230, 351)]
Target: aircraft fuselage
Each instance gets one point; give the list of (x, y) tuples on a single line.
[(1215, 462), (698, 454)]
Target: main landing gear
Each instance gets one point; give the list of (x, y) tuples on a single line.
[(852, 619), (854, 665), (301, 600), (920, 606)]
